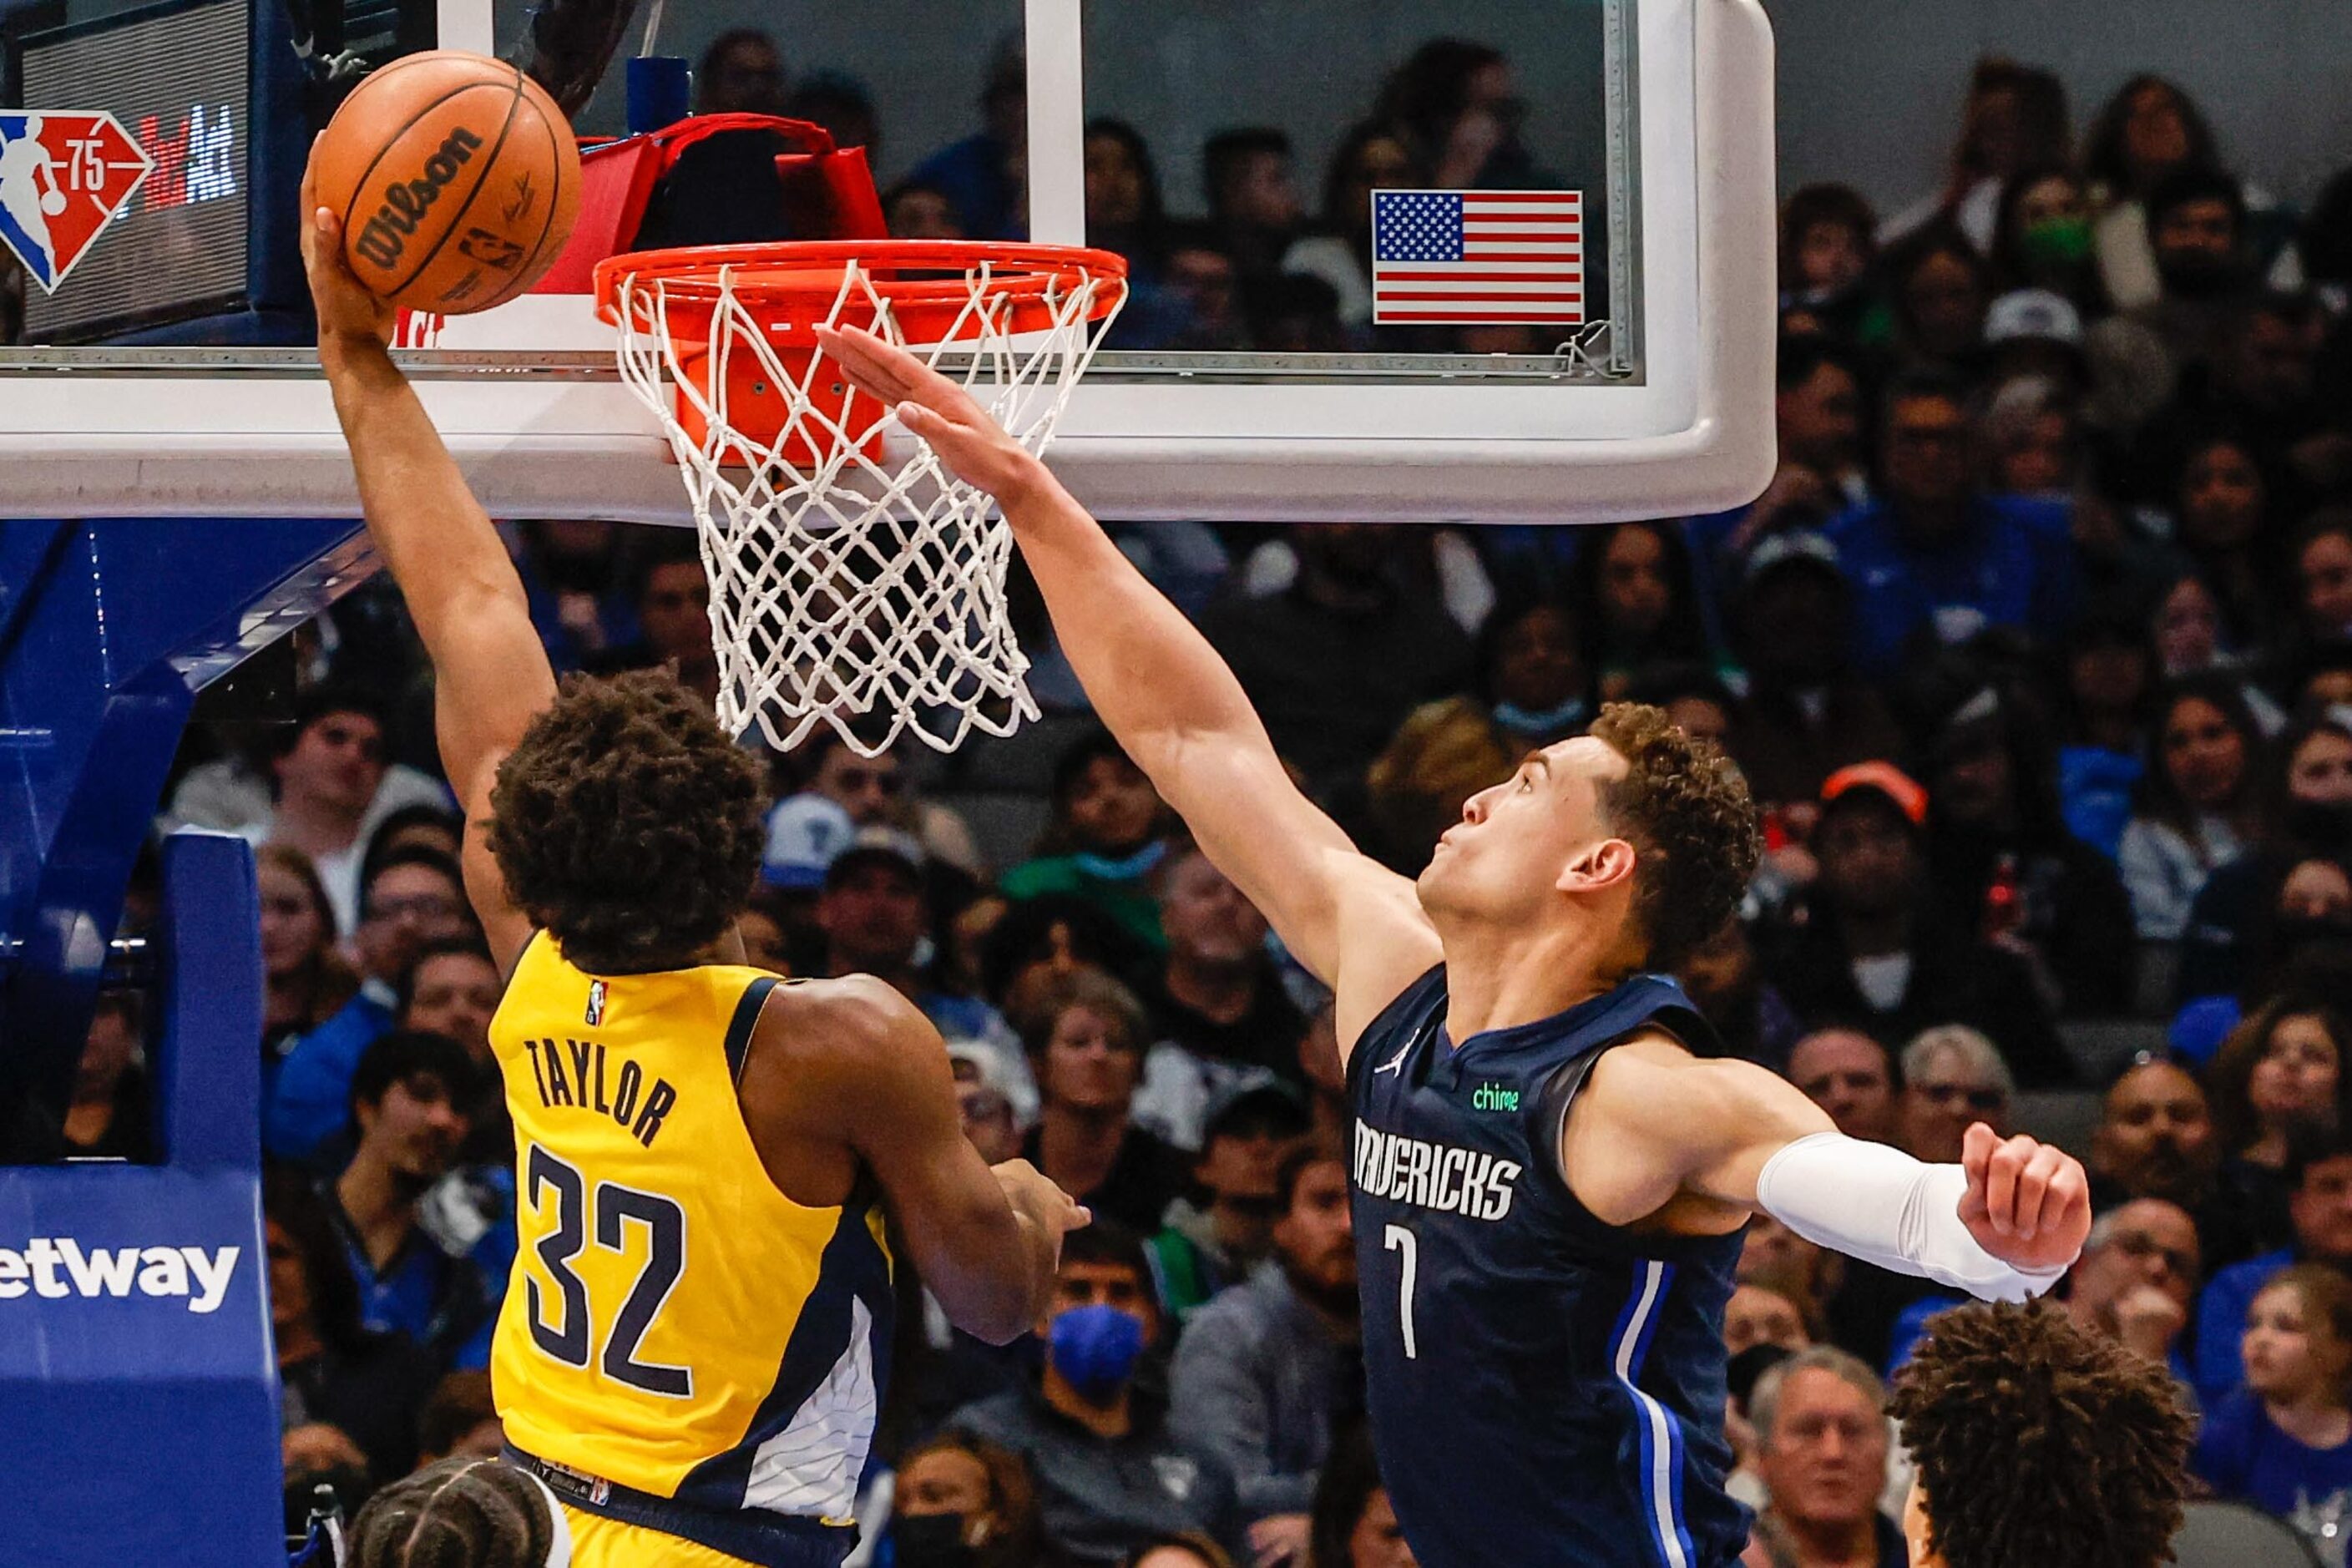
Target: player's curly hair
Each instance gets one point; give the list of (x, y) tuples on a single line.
[(627, 824), (2040, 1442), (1687, 811), (459, 1513)]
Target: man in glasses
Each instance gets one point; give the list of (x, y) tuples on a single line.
[(1952, 1076), (879, 792)]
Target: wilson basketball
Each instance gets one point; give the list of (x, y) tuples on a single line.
[(456, 180)]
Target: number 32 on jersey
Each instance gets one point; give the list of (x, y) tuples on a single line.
[(574, 1329)]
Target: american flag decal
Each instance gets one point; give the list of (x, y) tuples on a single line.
[(1477, 256)]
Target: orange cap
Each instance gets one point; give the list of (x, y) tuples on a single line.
[(1887, 780)]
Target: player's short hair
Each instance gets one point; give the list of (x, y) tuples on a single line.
[(459, 1513), (1764, 1401), (1692, 823), (2014, 1415), (627, 824)]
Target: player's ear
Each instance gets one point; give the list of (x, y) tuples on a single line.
[(1603, 863)]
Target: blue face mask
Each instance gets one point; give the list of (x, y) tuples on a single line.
[(1127, 869), (1095, 1349), (1550, 721)]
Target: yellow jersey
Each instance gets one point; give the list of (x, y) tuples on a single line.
[(676, 1328)]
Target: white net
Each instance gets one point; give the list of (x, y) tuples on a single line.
[(854, 581)]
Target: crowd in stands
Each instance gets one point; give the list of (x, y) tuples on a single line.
[(2037, 653)]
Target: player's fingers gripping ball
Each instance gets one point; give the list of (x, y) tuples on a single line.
[(455, 178)]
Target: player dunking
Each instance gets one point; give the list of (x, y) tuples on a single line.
[(1552, 1171), (694, 1345)]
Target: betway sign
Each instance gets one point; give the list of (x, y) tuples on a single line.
[(58, 1266)]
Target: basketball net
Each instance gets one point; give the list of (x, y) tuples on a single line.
[(854, 581)]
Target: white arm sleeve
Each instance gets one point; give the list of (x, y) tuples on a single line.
[(1878, 1203)]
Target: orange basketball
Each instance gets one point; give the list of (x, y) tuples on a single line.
[(456, 180)]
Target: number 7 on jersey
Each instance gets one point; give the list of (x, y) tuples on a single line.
[(1396, 1238)]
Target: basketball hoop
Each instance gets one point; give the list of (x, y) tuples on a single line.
[(852, 576)]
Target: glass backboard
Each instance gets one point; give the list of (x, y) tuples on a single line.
[(1408, 259)]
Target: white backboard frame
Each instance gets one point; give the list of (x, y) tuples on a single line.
[(543, 433)]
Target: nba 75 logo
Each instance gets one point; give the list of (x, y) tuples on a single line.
[(64, 176)]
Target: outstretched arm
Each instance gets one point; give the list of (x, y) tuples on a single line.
[(1172, 703), (1658, 1132), (491, 673)]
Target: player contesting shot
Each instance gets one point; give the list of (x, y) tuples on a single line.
[(1551, 1168), (695, 1343)]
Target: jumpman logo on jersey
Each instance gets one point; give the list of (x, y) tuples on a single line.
[(1397, 1065)]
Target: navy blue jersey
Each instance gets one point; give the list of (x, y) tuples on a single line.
[(1545, 1389)]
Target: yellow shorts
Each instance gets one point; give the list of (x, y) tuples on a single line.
[(601, 1542)]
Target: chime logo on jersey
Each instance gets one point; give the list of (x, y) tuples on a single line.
[(65, 175)]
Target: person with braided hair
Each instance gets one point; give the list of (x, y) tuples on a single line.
[(461, 1513)]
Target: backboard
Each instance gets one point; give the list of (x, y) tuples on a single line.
[(1531, 278)]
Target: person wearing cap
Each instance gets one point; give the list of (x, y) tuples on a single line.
[(879, 792), (2033, 331), (1937, 559), (1212, 1239), (1267, 1373), (1806, 715), (1876, 955), (874, 913)]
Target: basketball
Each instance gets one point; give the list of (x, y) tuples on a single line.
[(456, 180)]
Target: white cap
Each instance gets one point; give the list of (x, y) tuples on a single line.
[(2031, 313), (804, 832)]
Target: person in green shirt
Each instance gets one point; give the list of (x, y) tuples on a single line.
[(1102, 842)]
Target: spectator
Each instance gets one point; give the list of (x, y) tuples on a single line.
[(1460, 114), (1876, 955), (2319, 1208), (1986, 1385), (2015, 119), (1202, 280), (875, 916), (1939, 291), (1953, 1077), (961, 1502), (843, 106), (912, 209), (742, 72), (1086, 1048), (2197, 233), (1372, 156), (1852, 1076), (2137, 1281), (2309, 802), (1110, 1475), (2222, 504), (330, 1369), (2155, 1138), (1806, 714), (1820, 1426), (1038, 943), (324, 791), (882, 792), (406, 1096), (1354, 1524), (672, 593), (2284, 1442), (1122, 189), (1829, 251), (306, 980), (1103, 841), (1207, 1247), (1252, 197), (427, 826), (1938, 561), (2044, 238), (1727, 983), (2110, 679), (2323, 569), (1269, 1371), (2277, 1074), (1533, 689), (1327, 1078), (2000, 857), (2150, 130), (985, 1108), (107, 1112), (459, 1421), (1218, 995), (984, 175), (1334, 663), (570, 571), (2031, 435), (1633, 600), (415, 898), (1766, 1312), (1189, 1550), (2198, 807), (453, 990)]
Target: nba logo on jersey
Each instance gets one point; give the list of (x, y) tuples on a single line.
[(64, 176), (595, 1002)]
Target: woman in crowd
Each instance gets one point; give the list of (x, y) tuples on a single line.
[(1940, 292), (2015, 119), (2149, 128), (1634, 603), (961, 1502), (1829, 253), (1102, 841), (2279, 1070), (1373, 156), (1086, 1046), (2222, 500), (2198, 805), (306, 978), (1353, 1525), (2043, 238), (2307, 801), (2110, 673), (2284, 1442)]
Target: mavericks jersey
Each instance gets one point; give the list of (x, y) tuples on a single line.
[(682, 1346), (1545, 1389)]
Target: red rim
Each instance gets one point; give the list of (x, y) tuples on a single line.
[(801, 278)]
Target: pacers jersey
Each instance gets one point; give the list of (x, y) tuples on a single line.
[(1545, 1389), (682, 1346)]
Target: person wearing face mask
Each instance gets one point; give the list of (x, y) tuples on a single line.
[(961, 1502), (2308, 798), (1093, 1430), (2043, 238)]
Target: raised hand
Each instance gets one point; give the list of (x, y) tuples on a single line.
[(2028, 1204), (347, 311), (974, 448)]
